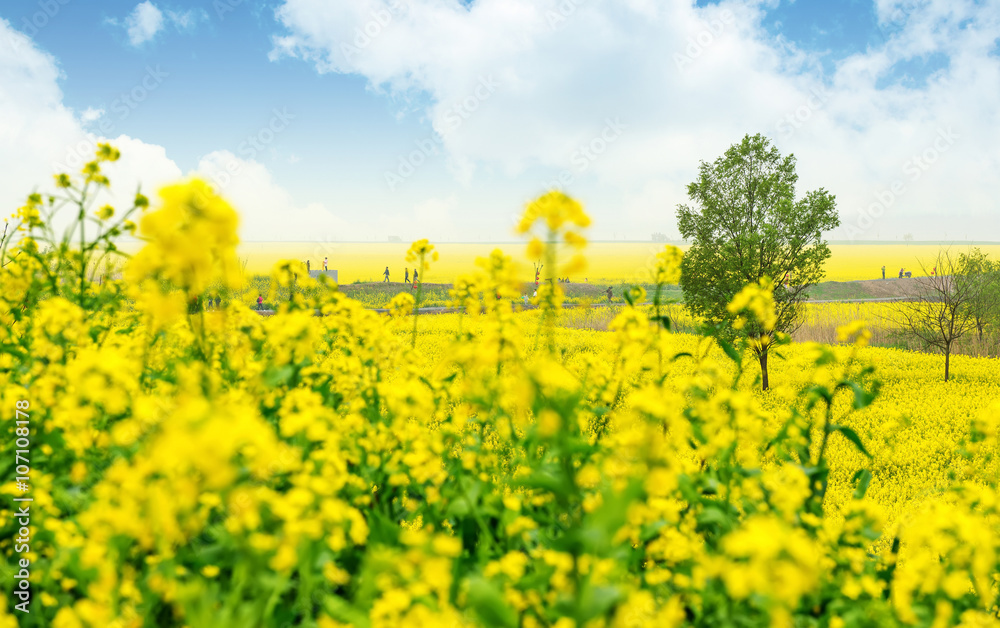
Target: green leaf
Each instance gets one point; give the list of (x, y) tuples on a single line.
[(627, 295), (488, 603), (816, 393), (599, 528), (274, 378), (458, 509), (731, 351), (664, 321), (339, 609), (544, 480), (851, 435), (715, 514), (863, 478), (597, 601), (862, 398)]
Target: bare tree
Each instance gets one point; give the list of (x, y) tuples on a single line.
[(943, 312)]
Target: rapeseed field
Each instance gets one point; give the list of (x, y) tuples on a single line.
[(607, 262), (211, 467)]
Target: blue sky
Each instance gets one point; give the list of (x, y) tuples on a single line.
[(448, 115)]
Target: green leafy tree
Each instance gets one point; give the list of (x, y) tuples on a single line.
[(984, 273), (745, 226)]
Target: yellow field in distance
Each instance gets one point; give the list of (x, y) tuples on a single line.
[(608, 262)]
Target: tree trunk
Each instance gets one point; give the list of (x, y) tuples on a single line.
[(763, 369), (947, 360)]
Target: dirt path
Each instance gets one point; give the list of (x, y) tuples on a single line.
[(862, 291), (891, 289)]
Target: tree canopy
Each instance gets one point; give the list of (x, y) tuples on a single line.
[(745, 225)]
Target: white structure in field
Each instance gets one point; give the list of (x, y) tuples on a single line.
[(329, 273)]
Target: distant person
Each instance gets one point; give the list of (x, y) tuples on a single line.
[(324, 264), (406, 275), (610, 294), (260, 302), (386, 273), (883, 271), (535, 293), (414, 275), (307, 266), (900, 273)]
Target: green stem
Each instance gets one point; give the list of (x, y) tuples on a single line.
[(549, 313), (83, 264), (416, 305)]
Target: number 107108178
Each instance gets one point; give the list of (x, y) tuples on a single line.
[(22, 441)]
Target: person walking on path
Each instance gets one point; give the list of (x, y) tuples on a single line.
[(883, 271), (260, 302), (610, 294), (414, 275), (324, 264), (900, 273), (307, 266), (386, 273), (406, 275)]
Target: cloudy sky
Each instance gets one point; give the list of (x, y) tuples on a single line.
[(362, 119)]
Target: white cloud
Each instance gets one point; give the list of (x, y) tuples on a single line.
[(146, 20), (143, 23), (687, 82), (267, 210), (91, 114), (40, 136), (187, 20)]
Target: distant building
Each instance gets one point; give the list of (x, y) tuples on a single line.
[(659, 237), (396, 239)]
